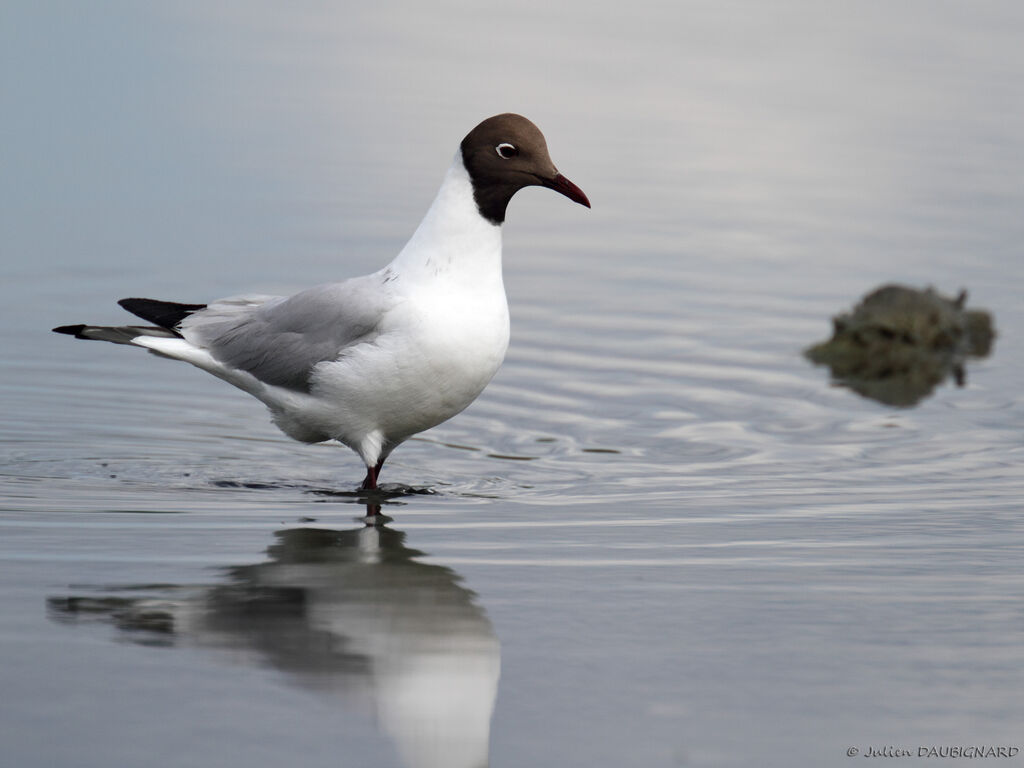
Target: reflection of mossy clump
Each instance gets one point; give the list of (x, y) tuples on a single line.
[(899, 343)]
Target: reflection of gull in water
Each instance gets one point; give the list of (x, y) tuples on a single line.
[(351, 612)]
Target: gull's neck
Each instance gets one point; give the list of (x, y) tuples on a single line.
[(453, 241)]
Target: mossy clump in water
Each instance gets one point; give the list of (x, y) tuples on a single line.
[(899, 343)]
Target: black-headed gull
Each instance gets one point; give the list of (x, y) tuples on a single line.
[(373, 360)]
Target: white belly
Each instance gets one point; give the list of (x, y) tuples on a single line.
[(427, 365)]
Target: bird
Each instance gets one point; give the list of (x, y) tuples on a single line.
[(371, 361)]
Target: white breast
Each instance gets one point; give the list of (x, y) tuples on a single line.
[(441, 342)]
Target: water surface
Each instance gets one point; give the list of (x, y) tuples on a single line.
[(661, 536)]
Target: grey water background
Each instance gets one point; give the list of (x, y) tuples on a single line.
[(660, 537)]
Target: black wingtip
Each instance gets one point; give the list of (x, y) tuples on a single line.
[(71, 330), (166, 314)]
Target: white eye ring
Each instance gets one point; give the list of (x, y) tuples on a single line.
[(506, 151)]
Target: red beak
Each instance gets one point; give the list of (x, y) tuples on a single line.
[(567, 188)]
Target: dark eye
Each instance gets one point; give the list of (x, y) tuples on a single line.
[(506, 151)]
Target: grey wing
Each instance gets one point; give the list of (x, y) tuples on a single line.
[(280, 339)]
